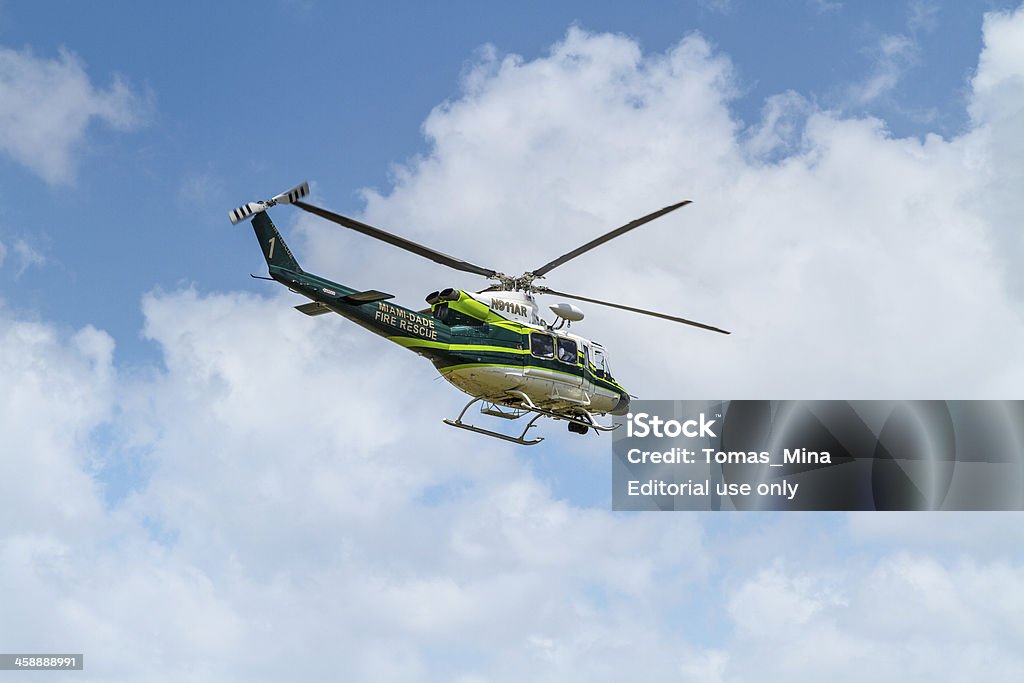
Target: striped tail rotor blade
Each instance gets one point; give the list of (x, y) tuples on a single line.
[(292, 195), (246, 210), (289, 197)]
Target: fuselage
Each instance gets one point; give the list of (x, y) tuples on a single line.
[(489, 346)]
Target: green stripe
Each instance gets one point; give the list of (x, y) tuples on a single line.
[(410, 342)]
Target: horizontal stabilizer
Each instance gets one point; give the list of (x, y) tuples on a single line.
[(367, 297), (313, 308)]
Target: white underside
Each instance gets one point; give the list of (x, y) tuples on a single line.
[(546, 389)]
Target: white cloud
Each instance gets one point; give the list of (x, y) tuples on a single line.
[(28, 255), (997, 151), (900, 618), (25, 253), (284, 511), (893, 56), (990, 536), (780, 131), (47, 105), (61, 387), (923, 15)]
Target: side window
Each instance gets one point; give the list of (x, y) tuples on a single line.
[(599, 362), (567, 351), (542, 345)]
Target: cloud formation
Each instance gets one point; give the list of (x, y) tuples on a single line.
[(280, 490), (47, 106), (846, 261), (281, 514)]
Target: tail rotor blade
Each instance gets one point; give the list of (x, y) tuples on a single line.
[(292, 195), (245, 211)]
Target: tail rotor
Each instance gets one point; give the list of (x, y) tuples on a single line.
[(246, 210)]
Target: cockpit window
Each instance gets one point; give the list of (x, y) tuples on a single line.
[(542, 345), (567, 351)]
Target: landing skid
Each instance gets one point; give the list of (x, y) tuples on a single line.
[(586, 421), (521, 439)]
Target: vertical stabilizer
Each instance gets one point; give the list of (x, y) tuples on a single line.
[(275, 250)]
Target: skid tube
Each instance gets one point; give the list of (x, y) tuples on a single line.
[(528, 405), (521, 439)]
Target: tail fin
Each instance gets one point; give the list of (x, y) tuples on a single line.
[(275, 250)]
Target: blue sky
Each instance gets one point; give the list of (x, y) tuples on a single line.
[(193, 472)]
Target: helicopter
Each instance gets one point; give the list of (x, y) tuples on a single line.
[(492, 344)]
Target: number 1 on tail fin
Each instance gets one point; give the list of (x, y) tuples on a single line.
[(275, 250)]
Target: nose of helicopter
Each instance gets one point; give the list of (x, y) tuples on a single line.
[(622, 407)]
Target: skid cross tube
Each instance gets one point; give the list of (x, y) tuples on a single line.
[(588, 422)]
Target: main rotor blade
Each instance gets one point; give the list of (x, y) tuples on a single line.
[(396, 241), (548, 267), (545, 290)]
